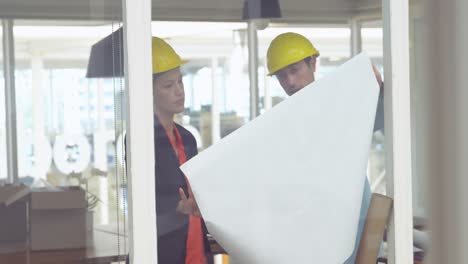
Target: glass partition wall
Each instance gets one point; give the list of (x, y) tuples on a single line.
[(70, 122), (73, 114), (221, 88)]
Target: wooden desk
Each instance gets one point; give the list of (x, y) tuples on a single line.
[(104, 250)]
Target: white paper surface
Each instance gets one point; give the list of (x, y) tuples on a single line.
[(287, 187)]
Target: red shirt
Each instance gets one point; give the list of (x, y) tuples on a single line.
[(195, 251)]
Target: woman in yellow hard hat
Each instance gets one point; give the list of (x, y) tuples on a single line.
[(292, 58), (181, 230)]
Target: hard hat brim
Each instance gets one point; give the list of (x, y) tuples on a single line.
[(292, 62)]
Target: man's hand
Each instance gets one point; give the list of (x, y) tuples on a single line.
[(188, 205), (378, 76)]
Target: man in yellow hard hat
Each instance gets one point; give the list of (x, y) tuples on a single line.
[(181, 230), (292, 58)]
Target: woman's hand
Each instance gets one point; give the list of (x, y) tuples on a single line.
[(188, 205)]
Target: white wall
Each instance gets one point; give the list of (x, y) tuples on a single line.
[(447, 132)]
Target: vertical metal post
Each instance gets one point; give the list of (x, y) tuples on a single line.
[(215, 118), (10, 99), (37, 66), (398, 128), (101, 139), (267, 100), (356, 37), (253, 67), (140, 132)]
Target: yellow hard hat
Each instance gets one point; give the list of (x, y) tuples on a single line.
[(164, 56), (286, 49)]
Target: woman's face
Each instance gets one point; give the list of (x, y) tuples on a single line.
[(168, 92)]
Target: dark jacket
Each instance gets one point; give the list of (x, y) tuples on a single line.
[(172, 226)]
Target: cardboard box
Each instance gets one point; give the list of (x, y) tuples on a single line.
[(13, 213), (58, 218), (377, 217), (59, 229), (13, 222)]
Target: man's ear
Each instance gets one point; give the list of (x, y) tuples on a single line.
[(313, 62)]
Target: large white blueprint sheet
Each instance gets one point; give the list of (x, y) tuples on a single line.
[(287, 187)]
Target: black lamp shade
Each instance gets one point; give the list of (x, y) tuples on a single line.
[(106, 58), (261, 9)]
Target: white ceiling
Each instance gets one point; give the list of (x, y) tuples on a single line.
[(304, 11)]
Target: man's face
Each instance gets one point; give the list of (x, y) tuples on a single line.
[(296, 76), (168, 92)]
